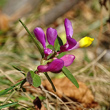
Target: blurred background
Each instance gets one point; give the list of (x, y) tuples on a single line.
[(91, 66)]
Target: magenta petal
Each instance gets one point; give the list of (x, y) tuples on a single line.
[(71, 43), (56, 65), (47, 51), (40, 35), (42, 68), (68, 59), (68, 27), (51, 35)]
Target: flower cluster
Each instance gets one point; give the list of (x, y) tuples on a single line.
[(56, 64)]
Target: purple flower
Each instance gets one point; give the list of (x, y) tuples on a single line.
[(39, 33), (51, 37), (71, 43), (57, 64)]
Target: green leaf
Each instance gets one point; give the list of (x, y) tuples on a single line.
[(33, 79), (57, 46), (58, 43), (61, 54), (70, 76), (2, 92), (49, 79), (34, 39), (8, 105), (50, 47), (36, 81), (32, 74), (49, 56)]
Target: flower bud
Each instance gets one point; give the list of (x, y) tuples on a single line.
[(85, 42)]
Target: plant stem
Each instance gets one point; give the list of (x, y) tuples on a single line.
[(50, 81), (33, 38)]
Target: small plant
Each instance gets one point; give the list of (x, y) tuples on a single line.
[(54, 59)]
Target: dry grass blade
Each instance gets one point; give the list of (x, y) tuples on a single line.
[(90, 64), (103, 69), (7, 76), (55, 96)]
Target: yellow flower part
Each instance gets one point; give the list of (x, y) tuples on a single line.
[(63, 38), (85, 42)]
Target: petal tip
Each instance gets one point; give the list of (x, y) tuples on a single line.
[(68, 27), (51, 35), (40, 35)]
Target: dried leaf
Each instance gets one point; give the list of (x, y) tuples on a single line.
[(65, 87), (29, 78)]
